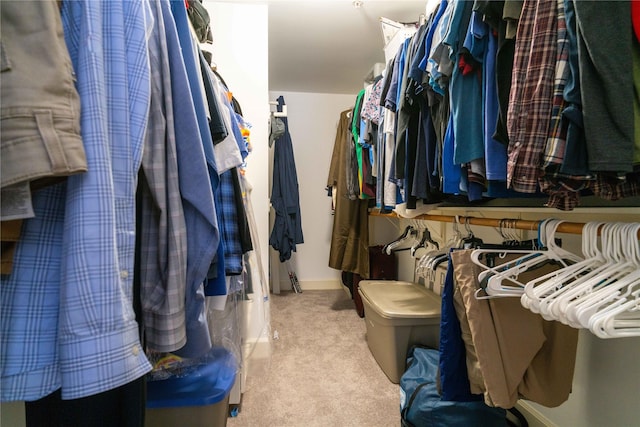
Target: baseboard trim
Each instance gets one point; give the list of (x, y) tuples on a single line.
[(534, 417), (314, 285)]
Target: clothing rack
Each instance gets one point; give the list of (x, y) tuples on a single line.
[(520, 224)]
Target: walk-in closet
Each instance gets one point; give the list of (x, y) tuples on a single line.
[(298, 213)]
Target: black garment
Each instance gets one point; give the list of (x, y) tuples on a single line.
[(216, 124), (368, 185), (200, 20), (387, 82), (120, 407), (408, 112), (492, 12), (243, 224)]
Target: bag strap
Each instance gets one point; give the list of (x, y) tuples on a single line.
[(406, 409), (520, 420)]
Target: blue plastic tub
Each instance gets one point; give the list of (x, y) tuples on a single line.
[(198, 399)]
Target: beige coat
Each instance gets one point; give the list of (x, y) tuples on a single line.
[(350, 238)]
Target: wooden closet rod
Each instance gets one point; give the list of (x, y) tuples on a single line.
[(520, 224)]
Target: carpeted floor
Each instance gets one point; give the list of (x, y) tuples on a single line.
[(322, 372)]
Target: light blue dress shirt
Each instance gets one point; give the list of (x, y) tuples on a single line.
[(67, 308), (197, 174)]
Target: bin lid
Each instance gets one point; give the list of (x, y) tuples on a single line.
[(397, 299), (207, 384)]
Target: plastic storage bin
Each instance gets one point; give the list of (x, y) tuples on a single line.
[(200, 398), (399, 315)]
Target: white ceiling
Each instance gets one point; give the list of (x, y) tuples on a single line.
[(329, 46)]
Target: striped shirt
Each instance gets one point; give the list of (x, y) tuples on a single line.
[(162, 228), (563, 190), (67, 309), (531, 93)]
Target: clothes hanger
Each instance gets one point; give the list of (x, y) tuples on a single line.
[(549, 286), (622, 317), (430, 260), (489, 254), (611, 293), (585, 294), (485, 257), (471, 241), (580, 290), (609, 324), (402, 236), (503, 281), (282, 113), (621, 312), (554, 254), (409, 232), (540, 287), (426, 238)]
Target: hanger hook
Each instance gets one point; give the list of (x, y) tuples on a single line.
[(501, 229), (467, 226)]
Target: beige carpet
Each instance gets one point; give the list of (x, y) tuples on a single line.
[(322, 372)]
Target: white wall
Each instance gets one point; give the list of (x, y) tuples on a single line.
[(241, 53), (313, 120)]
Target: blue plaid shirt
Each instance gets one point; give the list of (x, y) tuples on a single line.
[(67, 308)]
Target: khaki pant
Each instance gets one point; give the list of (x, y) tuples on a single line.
[(519, 354), (40, 142), (40, 107)]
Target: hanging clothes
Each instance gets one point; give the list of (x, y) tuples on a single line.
[(162, 228), (520, 354), (69, 299), (285, 198), (40, 140), (606, 82), (350, 237), (202, 227)]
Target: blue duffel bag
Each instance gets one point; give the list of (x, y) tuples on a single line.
[(421, 404)]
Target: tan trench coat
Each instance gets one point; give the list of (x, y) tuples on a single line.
[(350, 238)]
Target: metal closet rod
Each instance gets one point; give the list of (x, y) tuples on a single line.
[(520, 224)]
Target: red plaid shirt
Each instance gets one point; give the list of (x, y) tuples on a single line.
[(530, 100)]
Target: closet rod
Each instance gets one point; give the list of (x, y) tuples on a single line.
[(521, 224)]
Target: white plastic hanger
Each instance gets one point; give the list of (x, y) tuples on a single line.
[(510, 271), (582, 290), (553, 252), (622, 317), (620, 321), (539, 288), (613, 293), (546, 296)]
